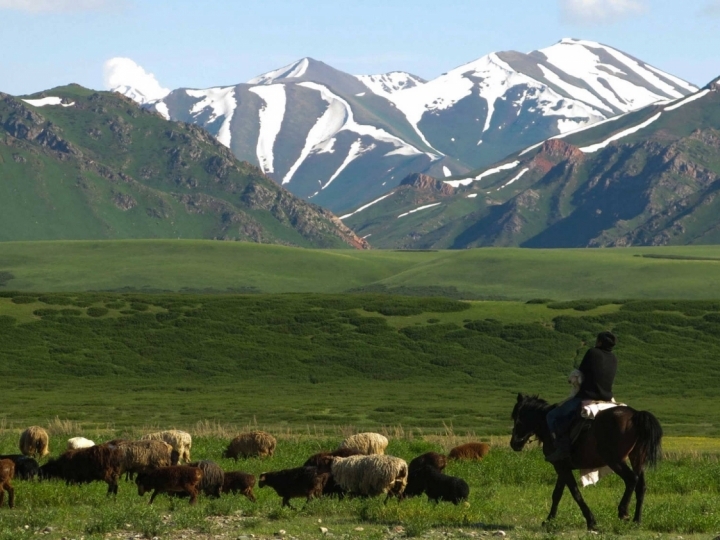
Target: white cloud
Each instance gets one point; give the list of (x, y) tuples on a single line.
[(600, 11), (132, 80), (711, 8), (45, 6)]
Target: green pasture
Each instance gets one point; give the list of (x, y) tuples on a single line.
[(508, 491), (690, 272), (361, 360)]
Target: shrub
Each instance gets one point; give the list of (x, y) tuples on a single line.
[(97, 311), (24, 300)]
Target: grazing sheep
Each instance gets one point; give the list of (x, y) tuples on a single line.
[(26, 468), (179, 440), (371, 475), (85, 465), (251, 444), (239, 481), (34, 441), (305, 482), (439, 486), (213, 477), (366, 443), (324, 460), (473, 450), (7, 472), (416, 483), (79, 442), (136, 456), (174, 479)]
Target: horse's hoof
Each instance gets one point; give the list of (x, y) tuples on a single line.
[(624, 517)]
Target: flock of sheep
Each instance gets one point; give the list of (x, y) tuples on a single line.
[(358, 467)]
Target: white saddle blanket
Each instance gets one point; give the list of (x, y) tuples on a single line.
[(590, 409)]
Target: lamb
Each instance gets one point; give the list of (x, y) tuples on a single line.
[(366, 443), (239, 481), (34, 441), (136, 456), (85, 465), (305, 482), (79, 442), (26, 468), (473, 450), (251, 444), (213, 477), (7, 472), (439, 486), (173, 479), (371, 475), (416, 483), (181, 441)]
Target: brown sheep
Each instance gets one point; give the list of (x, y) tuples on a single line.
[(473, 450), (213, 477), (174, 479), (239, 481), (7, 472), (305, 482), (136, 456), (34, 441), (324, 459), (251, 444), (85, 465)]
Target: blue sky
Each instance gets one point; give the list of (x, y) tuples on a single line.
[(220, 42)]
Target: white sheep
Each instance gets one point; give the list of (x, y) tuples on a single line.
[(371, 475), (181, 441), (34, 441), (366, 443), (79, 442)]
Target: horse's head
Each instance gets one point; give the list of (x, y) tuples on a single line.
[(528, 418)]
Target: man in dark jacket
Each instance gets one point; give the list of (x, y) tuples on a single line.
[(598, 369)]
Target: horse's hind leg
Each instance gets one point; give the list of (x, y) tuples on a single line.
[(639, 496), (556, 496), (569, 480), (631, 481)]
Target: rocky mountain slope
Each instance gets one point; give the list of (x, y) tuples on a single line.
[(649, 177), (79, 164), (342, 141)]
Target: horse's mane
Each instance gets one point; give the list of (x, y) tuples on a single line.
[(534, 402)]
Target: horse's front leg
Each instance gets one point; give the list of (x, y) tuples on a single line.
[(556, 496), (569, 480)]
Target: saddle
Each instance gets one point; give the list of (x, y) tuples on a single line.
[(587, 414)]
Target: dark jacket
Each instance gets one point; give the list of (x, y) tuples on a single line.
[(598, 368)]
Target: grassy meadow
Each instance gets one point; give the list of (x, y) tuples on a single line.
[(508, 491), (689, 272)]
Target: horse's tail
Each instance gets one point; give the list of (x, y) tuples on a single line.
[(649, 437)]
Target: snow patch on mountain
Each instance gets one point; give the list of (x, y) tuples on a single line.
[(515, 179), (222, 102), (42, 102), (599, 146), (368, 205), (418, 209), (271, 116), (484, 174), (390, 83), (291, 71), (356, 150), (162, 108), (687, 100), (339, 117)]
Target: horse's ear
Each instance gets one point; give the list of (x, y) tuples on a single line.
[(520, 397)]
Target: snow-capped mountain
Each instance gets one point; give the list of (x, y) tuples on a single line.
[(343, 140)]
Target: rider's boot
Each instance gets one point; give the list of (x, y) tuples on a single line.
[(562, 449)]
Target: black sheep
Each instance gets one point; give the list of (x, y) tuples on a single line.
[(305, 482), (26, 468), (440, 487)]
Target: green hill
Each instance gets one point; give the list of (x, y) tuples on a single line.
[(93, 165), (689, 272)]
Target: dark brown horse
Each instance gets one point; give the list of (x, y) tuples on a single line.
[(615, 435)]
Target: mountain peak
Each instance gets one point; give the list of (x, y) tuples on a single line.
[(291, 71)]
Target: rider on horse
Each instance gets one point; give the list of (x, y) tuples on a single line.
[(598, 369)]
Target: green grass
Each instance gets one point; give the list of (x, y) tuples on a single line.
[(492, 273), (324, 360), (508, 491)]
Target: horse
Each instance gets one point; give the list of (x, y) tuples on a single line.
[(615, 435)]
